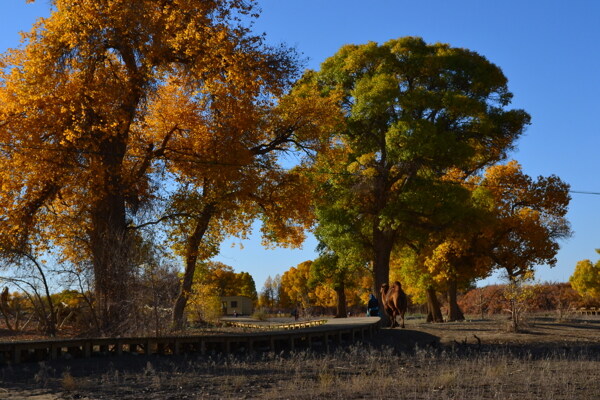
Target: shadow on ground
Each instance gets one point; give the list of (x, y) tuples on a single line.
[(403, 339)]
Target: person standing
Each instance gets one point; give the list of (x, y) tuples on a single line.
[(372, 306)]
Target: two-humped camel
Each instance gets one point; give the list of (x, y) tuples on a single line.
[(394, 302)]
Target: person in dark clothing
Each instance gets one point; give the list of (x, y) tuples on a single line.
[(372, 306)]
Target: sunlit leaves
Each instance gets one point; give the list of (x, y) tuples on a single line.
[(586, 279), (413, 112), (530, 218), (107, 100), (309, 285)]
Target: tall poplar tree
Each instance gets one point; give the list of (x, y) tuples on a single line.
[(83, 147), (412, 112)]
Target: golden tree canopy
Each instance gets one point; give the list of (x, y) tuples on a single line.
[(586, 278), (106, 100)]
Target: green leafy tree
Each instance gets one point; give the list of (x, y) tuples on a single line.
[(340, 272), (246, 286), (412, 112), (326, 269)]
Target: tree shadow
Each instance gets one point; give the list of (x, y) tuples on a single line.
[(594, 325), (403, 340)]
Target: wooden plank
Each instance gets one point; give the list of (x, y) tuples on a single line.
[(52, 349)]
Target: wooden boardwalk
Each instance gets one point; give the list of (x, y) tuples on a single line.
[(320, 334)]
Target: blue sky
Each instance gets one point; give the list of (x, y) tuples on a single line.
[(549, 50)]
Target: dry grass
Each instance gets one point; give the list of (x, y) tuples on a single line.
[(397, 364)]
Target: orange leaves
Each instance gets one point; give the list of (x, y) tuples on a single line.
[(120, 105), (513, 222), (311, 114), (529, 217), (103, 92), (226, 144)]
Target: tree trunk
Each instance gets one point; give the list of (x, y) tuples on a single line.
[(5, 308), (112, 274), (191, 258), (481, 303), (110, 257), (109, 240), (382, 249), (434, 313), (454, 311), (342, 311), (514, 317)]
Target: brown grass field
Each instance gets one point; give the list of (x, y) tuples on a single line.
[(476, 359)]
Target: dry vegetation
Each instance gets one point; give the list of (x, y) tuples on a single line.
[(551, 360)]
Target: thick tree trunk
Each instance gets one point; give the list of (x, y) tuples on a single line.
[(382, 249), (454, 311), (434, 313), (110, 256), (342, 311), (109, 241), (191, 258)]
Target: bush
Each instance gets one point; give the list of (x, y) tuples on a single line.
[(546, 297), (260, 314)]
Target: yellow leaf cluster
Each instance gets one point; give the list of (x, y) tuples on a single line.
[(586, 279)]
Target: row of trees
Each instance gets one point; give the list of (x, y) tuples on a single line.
[(295, 288), (132, 126), (308, 287)]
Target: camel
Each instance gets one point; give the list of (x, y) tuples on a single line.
[(394, 302)]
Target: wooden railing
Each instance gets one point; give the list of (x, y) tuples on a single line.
[(299, 335), (269, 326), (588, 311)]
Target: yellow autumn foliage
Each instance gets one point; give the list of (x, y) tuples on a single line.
[(108, 102)]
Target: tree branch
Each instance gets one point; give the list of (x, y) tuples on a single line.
[(161, 219)]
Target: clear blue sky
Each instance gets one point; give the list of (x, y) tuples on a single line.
[(548, 49)]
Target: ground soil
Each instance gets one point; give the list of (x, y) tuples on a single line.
[(537, 332), (225, 377)]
